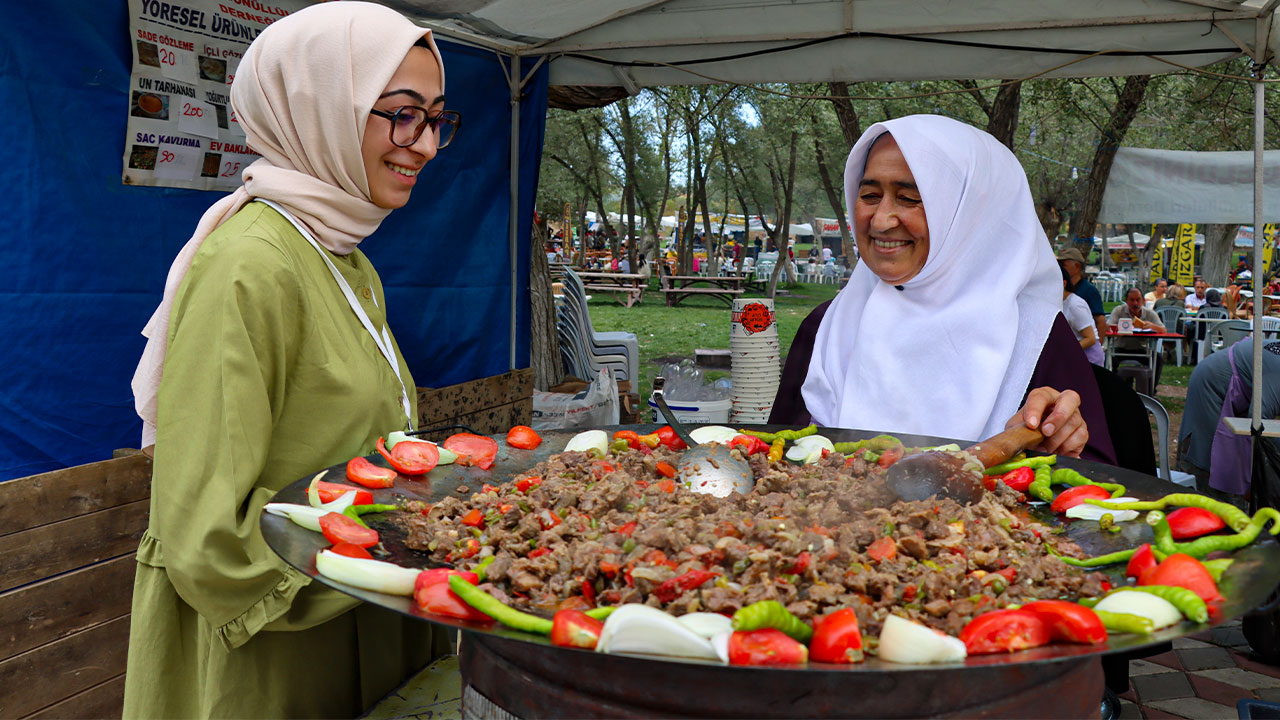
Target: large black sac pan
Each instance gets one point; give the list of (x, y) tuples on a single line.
[(1246, 585)]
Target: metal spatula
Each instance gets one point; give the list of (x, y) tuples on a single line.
[(709, 468)]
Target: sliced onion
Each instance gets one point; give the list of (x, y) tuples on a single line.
[(313, 496), (365, 574), (307, 516), (1085, 511), (642, 630), (589, 440), (713, 434), (903, 641), (706, 624), (1161, 612)]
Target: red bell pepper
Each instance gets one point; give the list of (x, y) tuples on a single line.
[(365, 473), (1185, 571), (328, 492), (524, 485), (765, 647), (548, 519), (667, 485), (1069, 622), (883, 548), (523, 437), (339, 528), (441, 575), (410, 458), (1143, 559), (473, 518), (665, 469), (438, 599), (890, 456), (668, 437), (1004, 631), (1192, 522), (574, 628), (750, 444), (628, 528), (836, 638), (355, 551), (539, 552), (472, 449), (631, 436), (673, 588), (800, 565), (1072, 497), (1019, 478)]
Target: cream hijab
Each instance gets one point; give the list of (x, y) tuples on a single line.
[(951, 353), (302, 94)]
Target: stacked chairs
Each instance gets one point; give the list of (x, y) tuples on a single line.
[(584, 350)]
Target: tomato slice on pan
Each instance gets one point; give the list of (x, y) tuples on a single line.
[(360, 470), (339, 528), (410, 457), (472, 449)]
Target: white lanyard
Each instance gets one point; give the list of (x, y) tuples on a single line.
[(383, 339)]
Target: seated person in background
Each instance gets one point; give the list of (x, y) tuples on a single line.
[(1157, 293), (1076, 310), (1222, 386), (928, 336), (624, 265), (1143, 319), (1178, 293), (1196, 301)]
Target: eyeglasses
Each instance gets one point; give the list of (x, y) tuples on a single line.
[(409, 122)]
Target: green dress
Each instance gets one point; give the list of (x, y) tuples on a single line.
[(269, 377)]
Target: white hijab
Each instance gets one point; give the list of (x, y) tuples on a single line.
[(302, 94), (952, 352)]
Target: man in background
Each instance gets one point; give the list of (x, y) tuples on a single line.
[(1073, 260)]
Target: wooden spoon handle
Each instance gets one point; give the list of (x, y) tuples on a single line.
[(999, 448)]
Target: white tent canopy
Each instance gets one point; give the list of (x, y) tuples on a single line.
[(1182, 186)]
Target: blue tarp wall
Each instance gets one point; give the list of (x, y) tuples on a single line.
[(87, 255)]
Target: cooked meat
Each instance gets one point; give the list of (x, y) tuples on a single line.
[(809, 537)]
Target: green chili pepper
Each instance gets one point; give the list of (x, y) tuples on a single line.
[(1234, 517), (1039, 487), (1031, 462), (877, 444), (1187, 602), (374, 508), (600, 613), (1106, 521), (491, 606), (1088, 601), (1125, 622), (1067, 476), (479, 570), (888, 528), (1217, 567), (350, 511), (771, 614), (619, 445), (1109, 559), (628, 545), (1202, 546)]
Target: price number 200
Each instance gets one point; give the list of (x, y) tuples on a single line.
[(191, 110)]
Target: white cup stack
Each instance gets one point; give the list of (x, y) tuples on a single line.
[(756, 360)]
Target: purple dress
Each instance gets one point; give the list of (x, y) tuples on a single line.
[(1062, 366)]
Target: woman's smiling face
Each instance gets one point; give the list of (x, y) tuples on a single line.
[(888, 215), (392, 171)]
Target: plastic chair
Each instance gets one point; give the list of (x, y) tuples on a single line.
[(1270, 327), (1171, 318), (1162, 432), (1228, 333)]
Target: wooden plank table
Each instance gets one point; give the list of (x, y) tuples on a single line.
[(626, 288), (678, 287)]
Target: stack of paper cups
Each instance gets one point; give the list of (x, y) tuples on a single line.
[(756, 360)]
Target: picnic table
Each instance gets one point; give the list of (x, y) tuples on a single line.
[(626, 288), (748, 277), (1152, 340), (678, 287)]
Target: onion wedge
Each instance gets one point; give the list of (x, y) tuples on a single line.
[(308, 516), (642, 630), (903, 641), (589, 440), (713, 434), (374, 575)]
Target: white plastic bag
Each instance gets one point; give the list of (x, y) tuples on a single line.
[(593, 406)]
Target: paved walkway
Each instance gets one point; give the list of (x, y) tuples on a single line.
[(1204, 676)]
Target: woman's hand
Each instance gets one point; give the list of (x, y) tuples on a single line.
[(1057, 415)]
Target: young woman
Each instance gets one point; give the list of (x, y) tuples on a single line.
[(951, 325), (268, 360)]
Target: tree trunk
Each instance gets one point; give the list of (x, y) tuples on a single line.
[(544, 345), (833, 195), (782, 228), (1126, 108), (850, 125), (1216, 261), (1002, 119), (629, 182)]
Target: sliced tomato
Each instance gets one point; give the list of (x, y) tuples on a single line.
[(328, 492), (410, 457), (628, 528), (1182, 570), (765, 647), (473, 518), (1069, 622), (1192, 522), (472, 449), (1004, 631), (673, 588), (355, 551), (665, 469), (883, 548), (836, 638), (1019, 478), (1072, 497), (890, 456), (667, 485), (339, 528), (1143, 559), (442, 575), (574, 628), (548, 519), (539, 552), (524, 485), (438, 599), (800, 565), (523, 437), (363, 472)]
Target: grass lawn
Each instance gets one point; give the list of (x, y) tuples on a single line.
[(671, 334)]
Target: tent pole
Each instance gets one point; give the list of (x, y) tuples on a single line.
[(1259, 283), (514, 84)]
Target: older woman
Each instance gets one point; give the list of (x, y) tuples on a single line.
[(951, 325), (277, 362)]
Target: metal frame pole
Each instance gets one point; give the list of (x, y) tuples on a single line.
[(515, 86), (1259, 282)]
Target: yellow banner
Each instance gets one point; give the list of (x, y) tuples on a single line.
[(1157, 258), (1269, 232), (1183, 266)]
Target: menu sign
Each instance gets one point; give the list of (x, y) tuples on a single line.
[(181, 130)]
